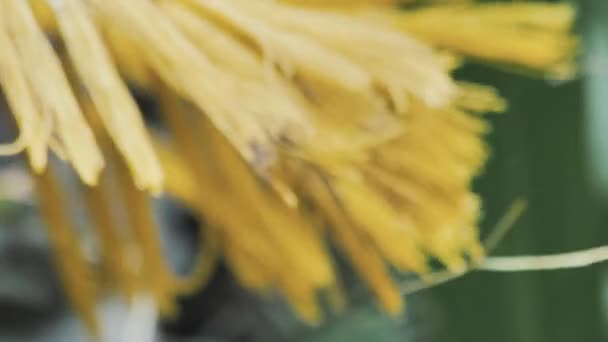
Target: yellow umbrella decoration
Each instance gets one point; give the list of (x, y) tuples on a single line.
[(289, 124)]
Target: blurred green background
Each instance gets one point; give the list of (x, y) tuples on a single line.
[(550, 148)]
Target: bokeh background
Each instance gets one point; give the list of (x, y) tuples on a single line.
[(550, 148)]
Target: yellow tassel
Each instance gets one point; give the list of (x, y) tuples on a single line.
[(187, 70), (45, 77), (364, 257), (530, 35), (426, 79), (115, 247), (34, 128), (268, 220), (289, 122), (394, 236), (154, 271), (115, 106), (71, 262)]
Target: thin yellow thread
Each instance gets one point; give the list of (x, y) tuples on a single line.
[(115, 106), (51, 88), (72, 265)]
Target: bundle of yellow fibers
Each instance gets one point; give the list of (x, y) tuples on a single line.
[(291, 125)]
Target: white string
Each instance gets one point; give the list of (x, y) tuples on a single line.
[(575, 259)]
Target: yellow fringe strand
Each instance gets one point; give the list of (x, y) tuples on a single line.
[(69, 257), (290, 123)]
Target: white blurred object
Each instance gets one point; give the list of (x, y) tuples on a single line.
[(141, 320), (595, 68), (15, 184)]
